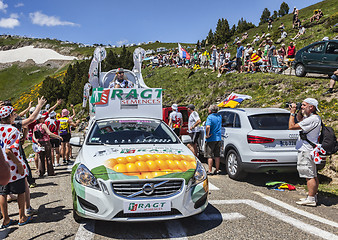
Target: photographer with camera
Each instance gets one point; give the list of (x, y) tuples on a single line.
[(310, 124)]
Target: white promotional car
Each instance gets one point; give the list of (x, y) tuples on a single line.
[(257, 140), (132, 166)]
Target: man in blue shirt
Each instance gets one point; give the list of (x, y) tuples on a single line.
[(239, 55), (213, 139)]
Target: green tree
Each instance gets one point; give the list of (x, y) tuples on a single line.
[(284, 9), (243, 25), (210, 37), (222, 33), (275, 15), (265, 16), (51, 89)]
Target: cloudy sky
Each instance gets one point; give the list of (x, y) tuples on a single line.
[(128, 21)]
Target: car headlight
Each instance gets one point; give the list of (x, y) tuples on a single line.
[(200, 173), (85, 177)]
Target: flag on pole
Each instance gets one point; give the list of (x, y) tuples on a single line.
[(93, 73), (86, 89), (233, 100), (138, 56), (183, 53), (100, 54)]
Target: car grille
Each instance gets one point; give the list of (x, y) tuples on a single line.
[(167, 188), (173, 212)]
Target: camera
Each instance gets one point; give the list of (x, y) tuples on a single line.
[(298, 105), (302, 135)]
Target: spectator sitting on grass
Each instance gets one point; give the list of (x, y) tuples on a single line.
[(256, 39), (254, 62), (300, 32), (226, 66), (317, 14), (282, 27), (296, 23), (333, 80)]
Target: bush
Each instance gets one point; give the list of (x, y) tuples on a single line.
[(332, 20)]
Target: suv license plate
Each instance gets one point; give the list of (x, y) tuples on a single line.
[(287, 143), (143, 206)]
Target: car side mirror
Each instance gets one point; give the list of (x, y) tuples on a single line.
[(186, 139), (75, 141), (335, 51)]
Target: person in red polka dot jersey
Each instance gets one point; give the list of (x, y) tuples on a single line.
[(9, 142)]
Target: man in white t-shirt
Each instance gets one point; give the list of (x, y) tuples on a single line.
[(176, 120), (310, 124), (193, 121)]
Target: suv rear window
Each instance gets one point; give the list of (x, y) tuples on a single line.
[(271, 121)]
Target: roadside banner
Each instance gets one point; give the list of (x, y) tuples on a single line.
[(233, 100), (183, 53)]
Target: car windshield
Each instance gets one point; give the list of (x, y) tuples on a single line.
[(117, 132), (271, 121)]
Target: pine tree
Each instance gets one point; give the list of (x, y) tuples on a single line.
[(51, 89), (222, 33), (284, 9), (265, 16), (210, 37), (275, 15)]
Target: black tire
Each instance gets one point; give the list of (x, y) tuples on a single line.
[(233, 165), (77, 218), (300, 70)]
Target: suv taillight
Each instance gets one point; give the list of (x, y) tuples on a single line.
[(257, 139)]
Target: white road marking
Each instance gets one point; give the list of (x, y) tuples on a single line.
[(86, 231), (176, 230), (296, 210), (69, 168), (281, 216), (213, 187), (219, 216)]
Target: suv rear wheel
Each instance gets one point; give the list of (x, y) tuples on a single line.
[(233, 165), (300, 70)]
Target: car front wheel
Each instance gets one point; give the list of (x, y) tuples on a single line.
[(300, 70), (233, 165)]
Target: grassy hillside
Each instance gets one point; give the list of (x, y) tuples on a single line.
[(267, 90), (314, 32), (15, 80)]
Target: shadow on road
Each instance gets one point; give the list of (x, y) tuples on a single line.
[(55, 214), (37, 194), (42, 234), (192, 226)]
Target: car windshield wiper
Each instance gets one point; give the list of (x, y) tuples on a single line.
[(95, 143)]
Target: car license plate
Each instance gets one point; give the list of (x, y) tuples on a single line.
[(143, 206), (287, 143)]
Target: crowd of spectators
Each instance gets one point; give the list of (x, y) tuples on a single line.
[(262, 54), (41, 128)]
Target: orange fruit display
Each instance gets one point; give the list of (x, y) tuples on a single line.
[(151, 165)]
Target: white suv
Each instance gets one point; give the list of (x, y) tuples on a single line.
[(257, 140)]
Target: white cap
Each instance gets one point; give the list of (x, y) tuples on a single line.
[(32, 109), (52, 114), (174, 107), (325, 38), (312, 102)]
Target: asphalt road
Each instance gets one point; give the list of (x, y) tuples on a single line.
[(236, 210)]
